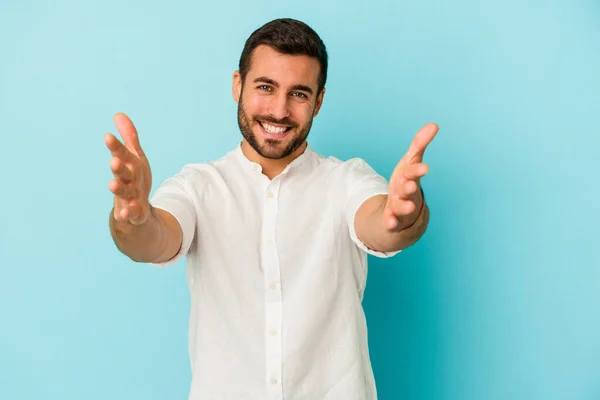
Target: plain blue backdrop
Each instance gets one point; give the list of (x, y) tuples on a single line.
[(499, 300)]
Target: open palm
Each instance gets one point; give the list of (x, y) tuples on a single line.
[(132, 177), (404, 192)]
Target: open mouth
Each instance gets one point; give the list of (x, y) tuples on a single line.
[(273, 130)]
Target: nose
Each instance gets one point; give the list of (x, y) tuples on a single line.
[(278, 106)]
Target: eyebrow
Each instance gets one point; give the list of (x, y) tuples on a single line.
[(264, 79)]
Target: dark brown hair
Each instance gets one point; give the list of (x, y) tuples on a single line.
[(287, 36)]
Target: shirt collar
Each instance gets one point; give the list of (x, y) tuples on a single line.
[(257, 167)]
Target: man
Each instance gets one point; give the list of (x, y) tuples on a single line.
[(276, 236)]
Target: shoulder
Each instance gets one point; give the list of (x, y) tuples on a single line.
[(207, 170), (349, 168), (335, 163)]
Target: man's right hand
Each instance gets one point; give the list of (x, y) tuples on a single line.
[(132, 177)]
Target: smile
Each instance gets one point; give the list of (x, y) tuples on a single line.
[(274, 129)]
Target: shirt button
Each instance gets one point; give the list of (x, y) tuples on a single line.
[(272, 286), (270, 195), (269, 241), (273, 332), (274, 381)]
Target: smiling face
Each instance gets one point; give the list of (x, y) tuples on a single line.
[(277, 102)]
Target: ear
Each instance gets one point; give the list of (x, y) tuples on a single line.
[(319, 102), (236, 87)]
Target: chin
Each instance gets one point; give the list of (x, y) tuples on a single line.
[(272, 151)]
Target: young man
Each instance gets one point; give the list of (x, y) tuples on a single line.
[(276, 236)]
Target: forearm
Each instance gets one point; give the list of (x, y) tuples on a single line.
[(147, 242), (377, 237)]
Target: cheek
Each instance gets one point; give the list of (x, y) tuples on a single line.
[(254, 106), (302, 113)]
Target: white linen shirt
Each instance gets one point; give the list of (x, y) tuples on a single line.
[(276, 275)]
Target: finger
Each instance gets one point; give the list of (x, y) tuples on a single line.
[(404, 190), (125, 213), (414, 171), (118, 208), (117, 214), (405, 174), (122, 190), (422, 139), (128, 133), (120, 170), (117, 149), (390, 222), (135, 211), (400, 207)]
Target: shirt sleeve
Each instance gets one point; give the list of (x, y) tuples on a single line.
[(363, 183), (173, 197)]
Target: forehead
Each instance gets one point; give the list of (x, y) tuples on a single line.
[(285, 69)]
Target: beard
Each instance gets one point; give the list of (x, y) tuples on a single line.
[(272, 148)]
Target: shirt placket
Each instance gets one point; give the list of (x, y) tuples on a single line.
[(273, 296)]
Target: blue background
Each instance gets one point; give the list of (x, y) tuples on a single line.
[(499, 300)]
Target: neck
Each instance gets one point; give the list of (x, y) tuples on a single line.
[(270, 167)]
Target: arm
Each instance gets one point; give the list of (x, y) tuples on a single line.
[(140, 231), (392, 222), (370, 229), (157, 240)]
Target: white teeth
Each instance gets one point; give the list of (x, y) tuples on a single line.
[(273, 129)]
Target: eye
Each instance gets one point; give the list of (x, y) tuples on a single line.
[(264, 88), (299, 94)]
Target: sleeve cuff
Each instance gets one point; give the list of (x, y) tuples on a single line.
[(186, 222), (354, 204)]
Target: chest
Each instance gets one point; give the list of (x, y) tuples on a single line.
[(292, 216)]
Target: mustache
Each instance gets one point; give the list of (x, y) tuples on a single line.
[(284, 121)]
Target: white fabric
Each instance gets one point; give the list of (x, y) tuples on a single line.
[(276, 275)]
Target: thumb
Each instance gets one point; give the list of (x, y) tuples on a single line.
[(420, 142), (128, 133)]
